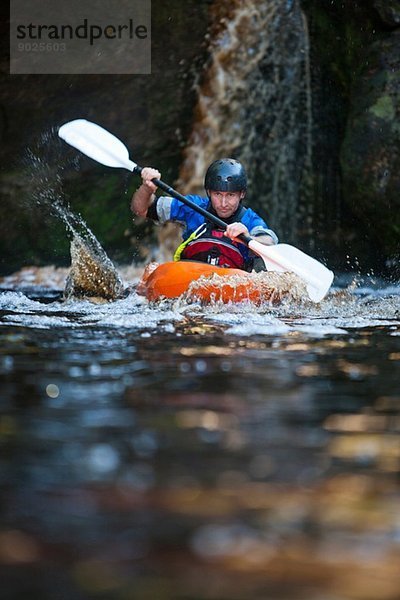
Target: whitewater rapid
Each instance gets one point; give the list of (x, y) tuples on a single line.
[(371, 304)]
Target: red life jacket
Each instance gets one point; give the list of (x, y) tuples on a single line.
[(214, 248)]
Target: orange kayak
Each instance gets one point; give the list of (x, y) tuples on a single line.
[(205, 283)]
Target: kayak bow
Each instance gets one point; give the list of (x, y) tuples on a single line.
[(206, 283)]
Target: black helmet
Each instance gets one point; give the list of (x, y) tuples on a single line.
[(226, 175)]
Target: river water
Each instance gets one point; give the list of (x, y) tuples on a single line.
[(176, 451)]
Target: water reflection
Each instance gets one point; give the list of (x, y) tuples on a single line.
[(181, 453)]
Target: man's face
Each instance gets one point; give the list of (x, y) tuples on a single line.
[(225, 203)]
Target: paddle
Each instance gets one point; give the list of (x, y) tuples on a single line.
[(105, 148)]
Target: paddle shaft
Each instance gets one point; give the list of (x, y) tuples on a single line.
[(209, 216)]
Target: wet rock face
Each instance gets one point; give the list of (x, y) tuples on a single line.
[(354, 59), (370, 154), (389, 11)]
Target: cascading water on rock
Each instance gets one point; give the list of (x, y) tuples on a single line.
[(254, 103)]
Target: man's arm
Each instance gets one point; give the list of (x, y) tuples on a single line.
[(144, 196)]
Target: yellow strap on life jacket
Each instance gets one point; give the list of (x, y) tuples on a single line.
[(193, 236)]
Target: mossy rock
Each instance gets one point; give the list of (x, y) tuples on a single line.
[(370, 154)]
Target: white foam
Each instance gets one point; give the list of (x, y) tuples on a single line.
[(340, 313)]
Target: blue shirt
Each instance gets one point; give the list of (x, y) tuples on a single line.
[(170, 209)]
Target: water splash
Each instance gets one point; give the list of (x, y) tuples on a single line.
[(267, 287), (254, 103), (92, 272), (341, 313)]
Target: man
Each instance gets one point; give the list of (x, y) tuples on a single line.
[(226, 185)]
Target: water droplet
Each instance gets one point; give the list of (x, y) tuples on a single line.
[(52, 390), (95, 369), (201, 366), (7, 364), (145, 444), (103, 458)]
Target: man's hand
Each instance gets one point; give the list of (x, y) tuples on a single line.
[(147, 174), (235, 229), (144, 196)]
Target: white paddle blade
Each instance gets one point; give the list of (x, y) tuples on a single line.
[(97, 143), (283, 257)]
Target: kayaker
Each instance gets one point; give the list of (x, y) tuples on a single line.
[(225, 183)]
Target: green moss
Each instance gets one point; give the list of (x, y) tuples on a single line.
[(384, 108)]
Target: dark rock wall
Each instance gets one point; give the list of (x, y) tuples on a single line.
[(370, 154), (355, 55)]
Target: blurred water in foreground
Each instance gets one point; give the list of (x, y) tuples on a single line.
[(183, 452)]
